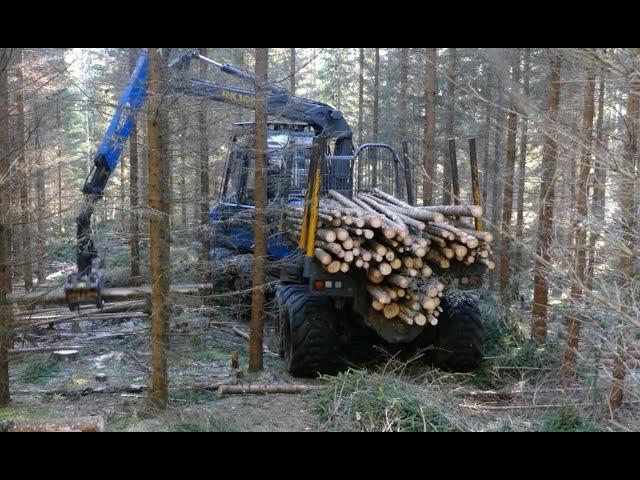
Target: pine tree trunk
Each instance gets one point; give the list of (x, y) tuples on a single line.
[(402, 114), (25, 230), (5, 242), (376, 115), (204, 180), (545, 208), (41, 214), (451, 98), (429, 139), (522, 175), (123, 194), (292, 72), (159, 229), (627, 186), (59, 141), (495, 170), (183, 177), (260, 218), (486, 133), (580, 232), (510, 164), (598, 200), (134, 190), (360, 111)]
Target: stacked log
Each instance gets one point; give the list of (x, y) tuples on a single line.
[(397, 245)]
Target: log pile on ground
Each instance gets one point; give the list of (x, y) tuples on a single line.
[(397, 245)]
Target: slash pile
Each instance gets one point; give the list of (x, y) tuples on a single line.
[(397, 245)]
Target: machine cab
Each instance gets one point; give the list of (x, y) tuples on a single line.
[(288, 158)]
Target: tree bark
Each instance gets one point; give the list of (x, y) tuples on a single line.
[(5, 200), (23, 167), (376, 115), (204, 179), (292, 72), (82, 424), (627, 186), (522, 173), (545, 208), (507, 196), (59, 168), (183, 177), (134, 190), (451, 98), (41, 208), (598, 201), (159, 230), (260, 220), (402, 115), (486, 133), (429, 139), (360, 110), (580, 232), (495, 170)]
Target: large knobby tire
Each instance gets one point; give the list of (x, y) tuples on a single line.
[(459, 334), (309, 341)]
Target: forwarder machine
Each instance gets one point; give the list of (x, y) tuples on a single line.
[(321, 316)]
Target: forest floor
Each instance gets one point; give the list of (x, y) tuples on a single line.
[(518, 388)]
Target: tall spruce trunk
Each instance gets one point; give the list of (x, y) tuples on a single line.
[(545, 208), (627, 185), (292, 70), (205, 262), (509, 171), (486, 134), (495, 170), (402, 113), (598, 199), (451, 98), (159, 227), (580, 232), (522, 174), (360, 110), (5, 257), (134, 190), (23, 168), (183, 177), (376, 114), (41, 212), (260, 217), (430, 133), (59, 140)]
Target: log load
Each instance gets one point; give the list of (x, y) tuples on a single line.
[(397, 245)]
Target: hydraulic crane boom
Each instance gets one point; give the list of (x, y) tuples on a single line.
[(85, 285)]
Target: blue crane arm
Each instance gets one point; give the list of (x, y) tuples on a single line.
[(108, 154), (321, 117), (324, 119), (131, 101)]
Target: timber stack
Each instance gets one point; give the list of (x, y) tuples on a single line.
[(397, 245)]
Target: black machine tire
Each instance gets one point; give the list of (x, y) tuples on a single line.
[(459, 334), (309, 340)]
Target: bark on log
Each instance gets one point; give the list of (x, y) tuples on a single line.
[(263, 389), (474, 211), (81, 424)]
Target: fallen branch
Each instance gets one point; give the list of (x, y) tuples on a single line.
[(78, 317), (258, 389)]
